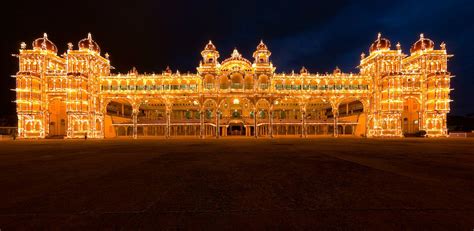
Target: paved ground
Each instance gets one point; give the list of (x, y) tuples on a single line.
[(323, 183)]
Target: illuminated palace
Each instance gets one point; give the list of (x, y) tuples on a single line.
[(74, 95)]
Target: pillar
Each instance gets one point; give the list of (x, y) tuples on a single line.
[(201, 125), (255, 123), (135, 121), (335, 112), (271, 123), (217, 124), (303, 123), (168, 124)]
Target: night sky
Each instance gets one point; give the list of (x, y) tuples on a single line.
[(319, 35)]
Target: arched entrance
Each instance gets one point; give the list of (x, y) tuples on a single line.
[(352, 118), (236, 128), (236, 110), (118, 118), (57, 118), (411, 116)]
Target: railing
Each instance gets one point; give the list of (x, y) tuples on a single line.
[(236, 86)]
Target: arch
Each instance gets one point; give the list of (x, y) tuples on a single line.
[(411, 115), (117, 113), (352, 112), (209, 82), (57, 117), (224, 83), (237, 80), (263, 82)]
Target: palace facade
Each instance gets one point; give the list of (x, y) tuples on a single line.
[(74, 95)]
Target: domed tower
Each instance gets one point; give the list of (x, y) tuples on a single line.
[(382, 68), (210, 54), (40, 70), (208, 67), (263, 67), (85, 68), (262, 54), (428, 68)]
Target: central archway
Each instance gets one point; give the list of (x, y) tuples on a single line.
[(236, 110)]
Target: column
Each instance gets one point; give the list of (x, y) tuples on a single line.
[(335, 112), (168, 124), (271, 123), (217, 124), (201, 126), (135, 120), (303, 123), (255, 123)]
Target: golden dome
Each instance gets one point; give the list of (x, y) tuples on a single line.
[(88, 43), (380, 44), (422, 44), (44, 44)]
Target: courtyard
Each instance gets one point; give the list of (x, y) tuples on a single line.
[(235, 183)]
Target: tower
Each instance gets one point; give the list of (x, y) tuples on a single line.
[(383, 65), (427, 67), (208, 67), (85, 112), (263, 67), (37, 83)]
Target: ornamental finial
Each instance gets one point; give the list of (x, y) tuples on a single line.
[(89, 36), (22, 45), (443, 46), (379, 36), (70, 46), (399, 47), (45, 36), (235, 53), (422, 36)]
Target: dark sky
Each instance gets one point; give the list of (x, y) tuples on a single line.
[(317, 34)]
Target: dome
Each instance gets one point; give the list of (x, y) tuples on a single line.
[(380, 44), (262, 46), (88, 43), (422, 44), (236, 56), (210, 46), (44, 44)]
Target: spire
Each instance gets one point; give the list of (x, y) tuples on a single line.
[(45, 38)]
